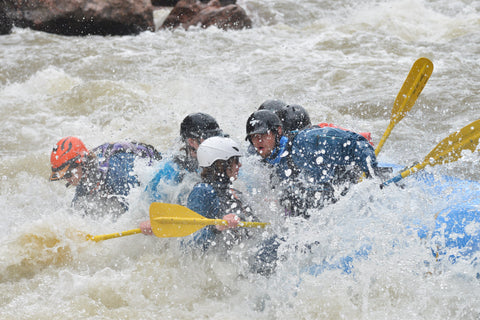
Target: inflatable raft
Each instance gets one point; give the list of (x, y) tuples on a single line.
[(454, 236)]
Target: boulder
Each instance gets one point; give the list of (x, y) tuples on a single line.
[(223, 15), (164, 3), (82, 17), (6, 23)]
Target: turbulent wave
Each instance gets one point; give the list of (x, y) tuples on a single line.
[(344, 61)]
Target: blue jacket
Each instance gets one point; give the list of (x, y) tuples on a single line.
[(102, 191), (315, 160), (316, 153), (108, 176)]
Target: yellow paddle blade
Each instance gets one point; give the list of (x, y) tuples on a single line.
[(411, 89), (450, 149), (173, 220)]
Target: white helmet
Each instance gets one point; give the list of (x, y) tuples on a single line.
[(217, 148)]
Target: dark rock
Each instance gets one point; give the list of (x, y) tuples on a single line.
[(164, 3), (6, 23), (222, 2), (190, 13), (82, 17)]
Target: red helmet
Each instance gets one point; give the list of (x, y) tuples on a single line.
[(67, 152)]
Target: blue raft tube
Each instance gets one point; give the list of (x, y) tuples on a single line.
[(454, 237)]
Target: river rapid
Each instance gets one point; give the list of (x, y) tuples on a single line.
[(344, 61)]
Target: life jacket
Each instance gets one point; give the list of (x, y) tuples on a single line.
[(141, 150), (213, 201), (366, 135), (104, 189), (305, 173)]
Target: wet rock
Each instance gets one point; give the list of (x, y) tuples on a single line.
[(164, 3), (222, 14), (5, 23), (82, 17)]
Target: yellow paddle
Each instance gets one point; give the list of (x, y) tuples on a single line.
[(448, 150), (413, 85), (173, 220)]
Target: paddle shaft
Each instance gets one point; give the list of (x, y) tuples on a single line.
[(113, 235), (406, 173), (206, 222)]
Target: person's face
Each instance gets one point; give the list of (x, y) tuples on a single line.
[(233, 169), (264, 143), (73, 176), (194, 144)]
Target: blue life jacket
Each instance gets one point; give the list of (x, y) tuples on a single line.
[(313, 161), (213, 201), (111, 182), (116, 162), (316, 153), (106, 151)]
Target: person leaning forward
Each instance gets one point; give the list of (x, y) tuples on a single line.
[(309, 164), (103, 177)]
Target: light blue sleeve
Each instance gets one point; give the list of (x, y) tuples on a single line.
[(167, 174)]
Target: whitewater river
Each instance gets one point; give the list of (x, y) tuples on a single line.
[(344, 61)]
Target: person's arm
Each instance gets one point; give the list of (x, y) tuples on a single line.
[(146, 227)]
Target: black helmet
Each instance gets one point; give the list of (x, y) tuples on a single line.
[(199, 126), (272, 105), (294, 117), (262, 121)]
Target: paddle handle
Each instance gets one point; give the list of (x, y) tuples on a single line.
[(113, 235)]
